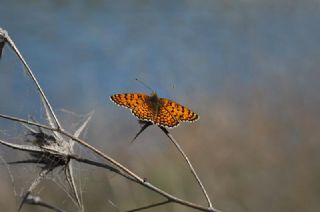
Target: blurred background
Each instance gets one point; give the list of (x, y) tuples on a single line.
[(249, 68)]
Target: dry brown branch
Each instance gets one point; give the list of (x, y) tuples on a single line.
[(150, 206)]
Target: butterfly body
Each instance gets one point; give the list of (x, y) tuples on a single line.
[(159, 111), (154, 103)]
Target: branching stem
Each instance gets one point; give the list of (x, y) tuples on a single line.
[(138, 179)]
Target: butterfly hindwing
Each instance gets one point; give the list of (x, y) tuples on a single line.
[(179, 112), (144, 112), (165, 118)]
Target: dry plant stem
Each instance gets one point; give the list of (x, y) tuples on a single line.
[(150, 206), (136, 178), (42, 174), (62, 153), (69, 176), (102, 165), (10, 175), (7, 38), (189, 163), (29, 149)]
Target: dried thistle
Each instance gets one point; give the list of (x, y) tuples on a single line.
[(51, 152)]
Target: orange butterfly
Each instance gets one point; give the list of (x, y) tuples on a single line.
[(159, 111)]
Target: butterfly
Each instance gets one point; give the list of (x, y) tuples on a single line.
[(159, 111)]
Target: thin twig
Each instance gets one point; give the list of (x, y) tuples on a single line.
[(10, 175), (70, 179), (2, 42), (189, 163), (40, 177), (102, 165), (29, 148), (150, 206), (50, 119), (35, 161)]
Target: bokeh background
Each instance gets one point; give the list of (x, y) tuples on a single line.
[(249, 68)]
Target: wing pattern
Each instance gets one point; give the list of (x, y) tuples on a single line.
[(136, 102), (179, 112), (169, 114)]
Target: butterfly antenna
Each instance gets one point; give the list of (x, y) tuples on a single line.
[(145, 85)]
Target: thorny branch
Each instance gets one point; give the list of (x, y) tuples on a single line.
[(56, 128)]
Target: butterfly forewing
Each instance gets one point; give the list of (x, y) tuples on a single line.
[(137, 102), (179, 112), (129, 100)]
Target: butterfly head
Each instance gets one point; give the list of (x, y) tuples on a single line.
[(154, 95)]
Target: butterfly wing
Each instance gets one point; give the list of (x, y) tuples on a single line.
[(137, 102), (129, 100), (179, 112), (144, 112), (169, 113), (165, 118)]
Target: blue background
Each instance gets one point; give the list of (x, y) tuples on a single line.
[(249, 68)]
